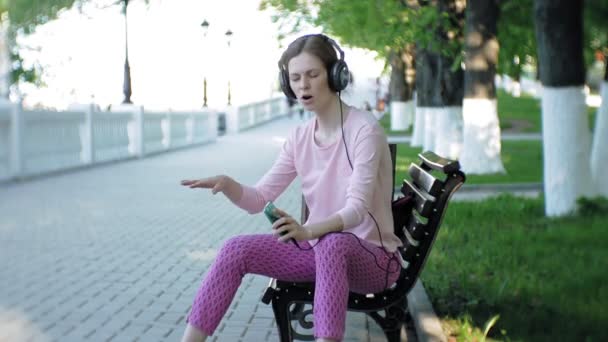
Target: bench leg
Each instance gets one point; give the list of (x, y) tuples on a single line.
[(284, 316), (281, 315), (394, 318)]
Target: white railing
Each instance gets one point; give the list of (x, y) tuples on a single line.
[(38, 142), (254, 114)]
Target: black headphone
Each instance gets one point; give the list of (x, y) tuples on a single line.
[(337, 74)]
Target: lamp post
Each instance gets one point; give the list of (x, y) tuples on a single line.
[(228, 38), (126, 86), (205, 26)]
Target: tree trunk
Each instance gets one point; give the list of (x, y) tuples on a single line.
[(5, 61), (599, 150), (439, 91), (481, 145), (450, 90), (566, 138), (426, 75), (400, 90)]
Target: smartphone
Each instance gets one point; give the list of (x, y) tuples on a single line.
[(269, 212)]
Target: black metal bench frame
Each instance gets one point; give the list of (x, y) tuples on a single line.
[(418, 214)]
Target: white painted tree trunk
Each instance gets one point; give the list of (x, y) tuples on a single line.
[(481, 137), (401, 115), (566, 143), (418, 134), (515, 89), (429, 128), (448, 132), (5, 63), (599, 151)]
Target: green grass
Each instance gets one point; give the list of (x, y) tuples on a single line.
[(385, 122), (522, 160), (546, 278), (522, 113)]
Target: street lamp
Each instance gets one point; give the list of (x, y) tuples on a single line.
[(126, 86), (228, 38), (205, 26)]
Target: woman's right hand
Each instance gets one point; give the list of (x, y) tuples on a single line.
[(216, 183)]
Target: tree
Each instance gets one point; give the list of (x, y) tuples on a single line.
[(516, 38), (386, 27), (481, 144), (566, 139), (440, 82), (378, 26), (22, 16), (596, 41)]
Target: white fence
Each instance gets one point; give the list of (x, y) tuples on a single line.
[(39, 142), (253, 114)]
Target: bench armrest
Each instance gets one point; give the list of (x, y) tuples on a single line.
[(435, 162)]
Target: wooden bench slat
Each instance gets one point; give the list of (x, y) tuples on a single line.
[(424, 201), (438, 163), (425, 180)]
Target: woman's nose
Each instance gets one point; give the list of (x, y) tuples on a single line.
[(304, 83)]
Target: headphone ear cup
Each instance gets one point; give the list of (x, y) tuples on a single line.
[(339, 76), (285, 87)]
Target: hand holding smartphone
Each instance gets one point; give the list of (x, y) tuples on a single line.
[(269, 212)]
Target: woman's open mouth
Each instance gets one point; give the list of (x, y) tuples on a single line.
[(306, 99)]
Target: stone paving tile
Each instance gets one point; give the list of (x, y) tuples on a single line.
[(117, 252)]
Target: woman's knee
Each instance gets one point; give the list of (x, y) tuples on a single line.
[(241, 247), (337, 243)]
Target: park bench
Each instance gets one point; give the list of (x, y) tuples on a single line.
[(417, 214)]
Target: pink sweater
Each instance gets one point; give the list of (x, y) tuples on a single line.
[(329, 184)]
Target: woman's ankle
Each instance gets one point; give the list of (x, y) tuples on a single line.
[(193, 334)]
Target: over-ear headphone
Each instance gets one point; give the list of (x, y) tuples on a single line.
[(337, 74)]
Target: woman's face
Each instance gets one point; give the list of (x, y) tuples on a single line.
[(308, 80)]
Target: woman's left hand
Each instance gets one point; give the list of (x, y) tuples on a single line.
[(287, 224)]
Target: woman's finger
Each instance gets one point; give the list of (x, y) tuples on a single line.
[(202, 183), (278, 223), (280, 212), (286, 237), (281, 230)]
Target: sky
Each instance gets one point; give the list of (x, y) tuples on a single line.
[(83, 55)]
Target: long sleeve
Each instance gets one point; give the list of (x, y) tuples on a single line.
[(367, 153)]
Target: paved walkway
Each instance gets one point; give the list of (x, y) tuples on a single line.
[(116, 252)]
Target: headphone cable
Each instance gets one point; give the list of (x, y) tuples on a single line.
[(391, 256)]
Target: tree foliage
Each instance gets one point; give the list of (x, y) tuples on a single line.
[(516, 37), (380, 26), (25, 15)]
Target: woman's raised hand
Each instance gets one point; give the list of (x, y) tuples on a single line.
[(216, 183)]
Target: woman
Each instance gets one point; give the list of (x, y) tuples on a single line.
[(343, 160)]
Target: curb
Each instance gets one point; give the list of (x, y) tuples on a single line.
[(428, 327)]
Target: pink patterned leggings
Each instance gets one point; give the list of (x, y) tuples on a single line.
[(337, 264)]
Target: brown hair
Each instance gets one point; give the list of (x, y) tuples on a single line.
[(315, 44)]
